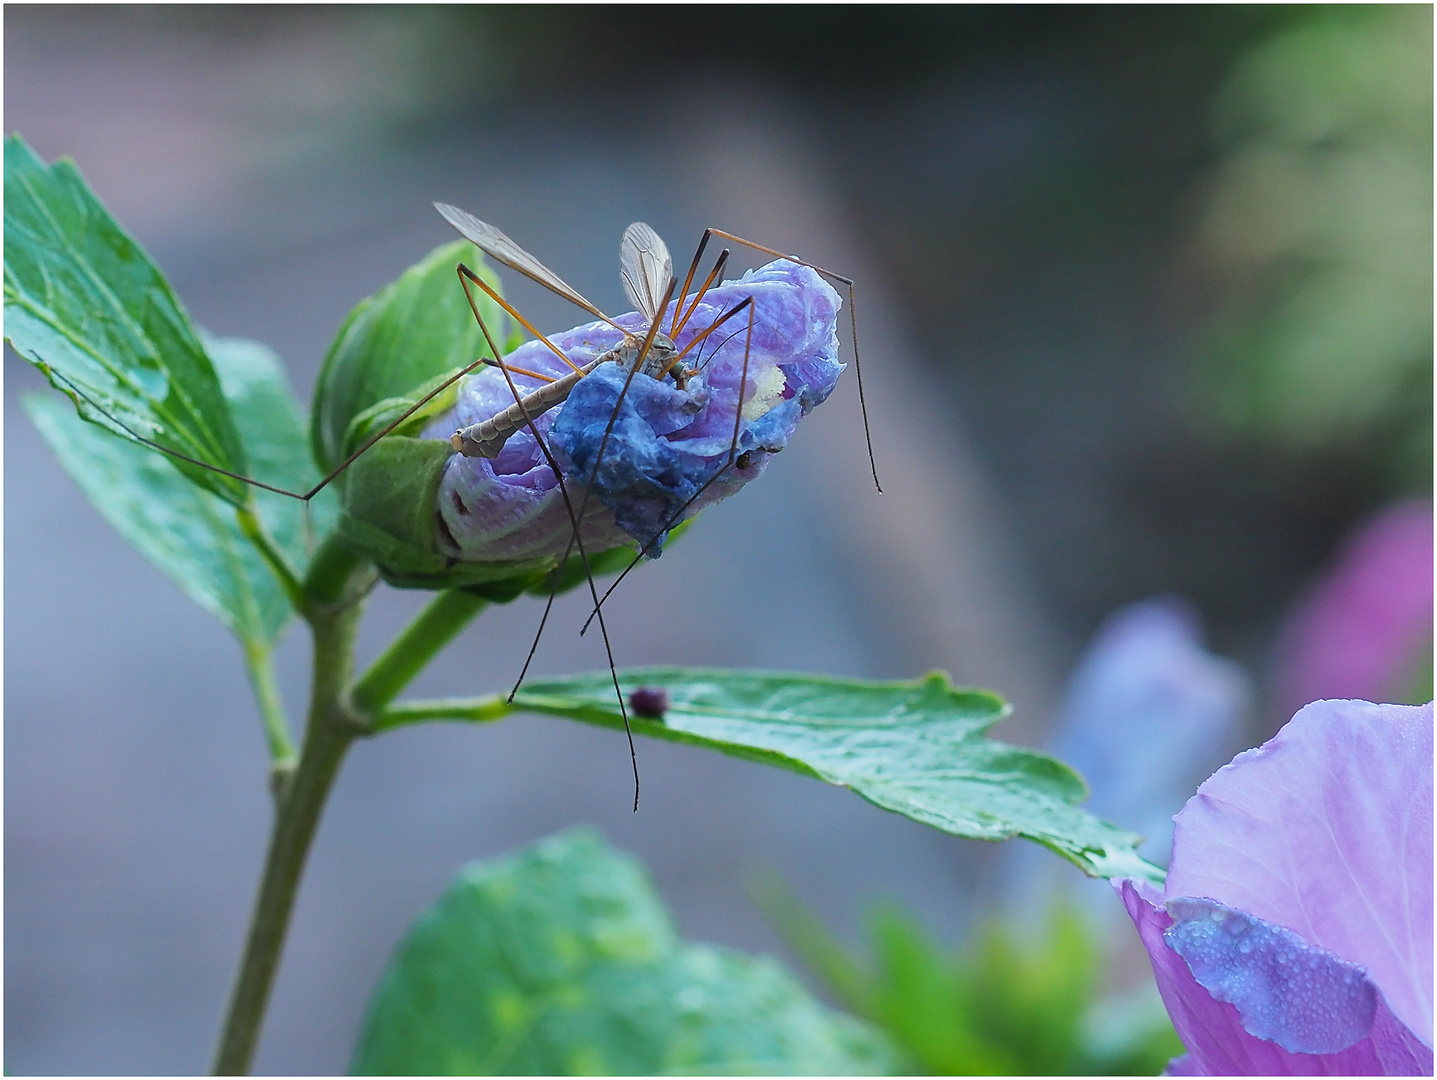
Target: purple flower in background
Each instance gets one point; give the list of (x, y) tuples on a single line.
[(666, 443), (1367, 624), (1294, 934)]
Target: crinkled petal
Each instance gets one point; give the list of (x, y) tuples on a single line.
[(665, 451), (1182, 1065), (666, 444), (1213, 1031), (1326, 830)]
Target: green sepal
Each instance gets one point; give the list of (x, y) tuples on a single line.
[(410, 331), (371, 421), (389, 496), (389, 516)]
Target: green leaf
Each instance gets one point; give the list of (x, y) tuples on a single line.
[(916, 748), (84, 304), (561, 960), (187, 532), (398, 339)]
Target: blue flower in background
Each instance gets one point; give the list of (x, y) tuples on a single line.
[(1147, 713), (1294, 934)]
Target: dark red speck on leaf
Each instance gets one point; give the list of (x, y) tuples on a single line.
[(650, 702)]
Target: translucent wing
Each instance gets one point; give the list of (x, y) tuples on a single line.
[(646, 268), (498, 246)]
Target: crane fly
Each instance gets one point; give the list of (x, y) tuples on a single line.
[(646, 272)]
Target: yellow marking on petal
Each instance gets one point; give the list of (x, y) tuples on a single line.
[(768, 392)]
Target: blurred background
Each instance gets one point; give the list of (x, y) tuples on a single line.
[(1145, 301)]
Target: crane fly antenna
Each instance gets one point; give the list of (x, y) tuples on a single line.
[(465, 272), (699, 339), (574, 538), (679, 513)]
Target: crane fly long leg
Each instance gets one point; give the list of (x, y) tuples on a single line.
[(303, 496), (853, 324), (679, 513), (519, 371), (719, 264), (688, 280), (575, 538), (465, 272), (584, 502)]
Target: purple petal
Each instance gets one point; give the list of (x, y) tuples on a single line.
[(1326, 830), (1212, 1031), (1362, 629)]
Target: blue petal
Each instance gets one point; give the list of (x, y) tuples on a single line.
[(642, 477), (1301, 997)]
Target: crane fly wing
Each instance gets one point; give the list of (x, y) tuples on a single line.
[(496, 245), (646, 267)]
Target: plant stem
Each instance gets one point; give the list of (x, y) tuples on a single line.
[(333, 576), (432, 629), (260, 665), (483, 710), (278, 562), (331, 728)]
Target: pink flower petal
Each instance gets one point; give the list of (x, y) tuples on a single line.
[(1359, 632)]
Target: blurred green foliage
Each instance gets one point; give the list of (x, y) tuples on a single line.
[(1012, 1001), (1319, 226), (560, 959)]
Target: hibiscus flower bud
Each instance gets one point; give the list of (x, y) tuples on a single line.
[(668, 440), (433, 518)]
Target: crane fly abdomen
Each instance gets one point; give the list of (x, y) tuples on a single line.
[(487, 438)]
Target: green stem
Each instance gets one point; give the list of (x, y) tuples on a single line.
[(474, 710), (260, 665), (447, 614), (333, 575), (331, 728), (276, 559)]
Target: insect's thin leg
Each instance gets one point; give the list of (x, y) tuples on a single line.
[(538, 376), (575, 538), (719, 264), (679, 513), (853, 323), (584, 502), (347, 462), (137, 437), (689, 280), (465, 272)]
